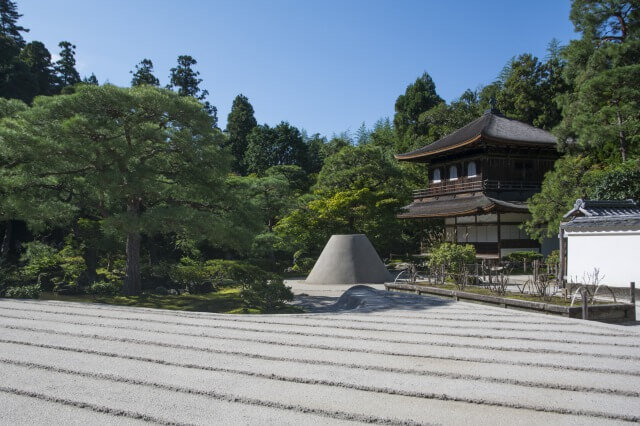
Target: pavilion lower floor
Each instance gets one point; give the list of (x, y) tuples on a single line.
[(494, 235)]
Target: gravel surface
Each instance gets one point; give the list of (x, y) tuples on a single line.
[(366, 357)]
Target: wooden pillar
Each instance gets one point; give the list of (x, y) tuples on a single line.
[(499, 236), (455, 229)]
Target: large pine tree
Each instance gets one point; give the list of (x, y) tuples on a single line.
[(240, 123), (602, 114)]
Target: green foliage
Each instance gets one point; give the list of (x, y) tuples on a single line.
[(303, 265), (144, 160), (519, 256), (9, 22), (144, 74), (444, 119), (528, 90), (280, 145), (215, 272), (602, 114), (560, 189), (65, 67), (57, 270), (266, 294), (619, 183), (240, 123), (452, 256), (24, 292), (360, 167), (359, 190), (553, 258), (419, 97), (186, 81), (105, 288)]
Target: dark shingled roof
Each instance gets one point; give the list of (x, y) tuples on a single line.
[(460, 206), (491, 125), (601, 214)]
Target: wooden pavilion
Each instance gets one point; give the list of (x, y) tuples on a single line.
[(480, 177)]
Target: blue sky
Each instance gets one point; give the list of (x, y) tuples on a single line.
[(325, 66)]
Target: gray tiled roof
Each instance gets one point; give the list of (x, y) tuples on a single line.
[(628, 222), (491, 125), (603, 208), (601, 214), (459, 206)]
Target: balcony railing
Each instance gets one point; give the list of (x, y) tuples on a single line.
[(456, 187)]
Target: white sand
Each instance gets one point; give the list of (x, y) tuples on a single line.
[(387, 358)]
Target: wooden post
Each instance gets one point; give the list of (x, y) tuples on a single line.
[(585, 307), (632, 314), (562, 266), (499, 237)]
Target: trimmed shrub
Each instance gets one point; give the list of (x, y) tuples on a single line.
[(24, 292), (200, 276), (105, 288), (524, 257), (268, 295)]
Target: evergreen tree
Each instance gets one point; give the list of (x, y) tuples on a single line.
[(601, 115), (240, 123), (9, 22), (143, 161), (419, 97), (37, 60), (66, 66), (185, 80), (280, 145), (527, 92), (92, 79), (144, 74)]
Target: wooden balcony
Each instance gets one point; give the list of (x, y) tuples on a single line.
[(474, 185)]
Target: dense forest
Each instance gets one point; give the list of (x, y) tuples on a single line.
[(137, 188)]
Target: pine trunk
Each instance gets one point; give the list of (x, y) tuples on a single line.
[(6, 240), (132, 285), (622, 138)]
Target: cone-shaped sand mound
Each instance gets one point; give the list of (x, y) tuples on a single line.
[(348, 259)]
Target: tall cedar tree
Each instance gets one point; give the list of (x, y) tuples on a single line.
[(9, 22), (144, 161), (240, 123), (144, 74), (419, 97), (185, 79), (66, 66)]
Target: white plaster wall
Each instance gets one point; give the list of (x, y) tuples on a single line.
[(616, 254)]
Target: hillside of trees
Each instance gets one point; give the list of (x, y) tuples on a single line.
[(135, 185)]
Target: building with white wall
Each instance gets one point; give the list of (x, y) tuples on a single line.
[(601, 235)]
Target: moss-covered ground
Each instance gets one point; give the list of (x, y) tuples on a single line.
[(226, 300)]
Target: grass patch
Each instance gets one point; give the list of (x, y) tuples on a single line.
[(555, 300), (226, 300)]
